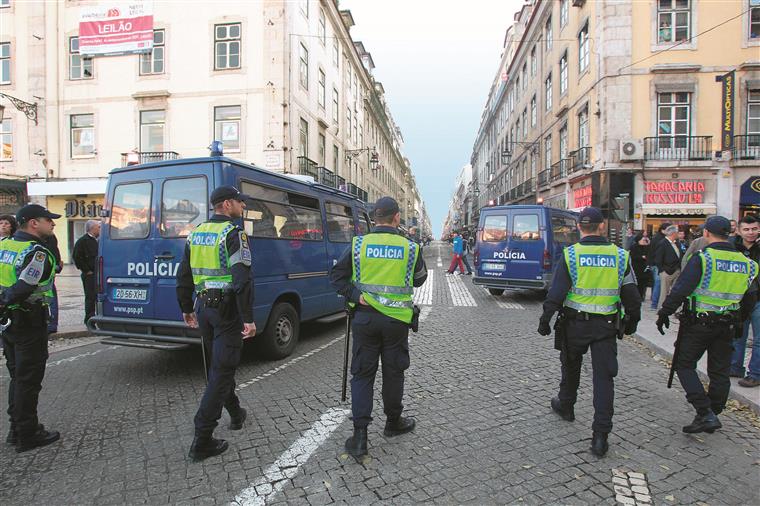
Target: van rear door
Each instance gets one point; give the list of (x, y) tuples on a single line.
[(492, 244), (524, 256)]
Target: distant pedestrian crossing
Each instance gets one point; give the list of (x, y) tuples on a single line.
[(423, 295), (460, 295)]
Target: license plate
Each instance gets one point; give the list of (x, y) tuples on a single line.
[(130, 294), (494, 267)]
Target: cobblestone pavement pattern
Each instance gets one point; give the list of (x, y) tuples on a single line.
[(479, 386)]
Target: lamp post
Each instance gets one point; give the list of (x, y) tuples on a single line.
[(374, 158)]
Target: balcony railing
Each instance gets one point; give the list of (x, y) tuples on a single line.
[(543, 177), (746, 147), (527, 187), (581, 159), (340, 183), (308, 167), (559, 169), (326, 176), (147, 157), (678, 147)]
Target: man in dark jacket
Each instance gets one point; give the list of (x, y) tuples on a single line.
[(667, 258), (746, 242), (659, 236), (85, 258)]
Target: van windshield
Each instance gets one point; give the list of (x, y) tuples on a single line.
[(495, 228), (183, 206), (130, 212)]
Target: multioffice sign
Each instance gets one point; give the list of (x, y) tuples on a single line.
[(114, 28)]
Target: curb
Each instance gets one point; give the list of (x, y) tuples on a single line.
[(732, 394), (71, 333)]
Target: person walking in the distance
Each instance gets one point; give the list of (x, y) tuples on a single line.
[(457, 249), (376, 275), (217, 266), (667, 258), (85, 259), (656, 239)]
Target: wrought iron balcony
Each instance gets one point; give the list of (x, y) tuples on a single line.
[(135, 157), (340, 183), (308, 167), (746, 147), (678, 147), (543, 177), (326, 176), (559, 169), (581, 159)]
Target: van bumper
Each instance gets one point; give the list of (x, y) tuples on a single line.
[(500, 283), (139, 332)]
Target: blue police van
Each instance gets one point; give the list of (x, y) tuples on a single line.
[(297, 230), (517, 246)]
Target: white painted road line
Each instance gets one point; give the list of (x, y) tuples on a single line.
[(424, 294), (509, 305), (70, 359), (460, 295), (278, 475)]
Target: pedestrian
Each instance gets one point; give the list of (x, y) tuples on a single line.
[(587, 290), (85, 259), (51, 244), (683, 243), (655, 241), (697, 245), (733, 229), (746, 243), (630, 238), (466, 250), (720, 287), (639, 254), (8, 226), (668, 261), (379, 289), (216, 266), (457, 249), (27, 272)]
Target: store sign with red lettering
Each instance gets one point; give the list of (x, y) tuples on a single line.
[(582, 196), (674, 192), (112, 28)]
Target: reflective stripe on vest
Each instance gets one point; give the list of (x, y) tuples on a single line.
[(597, 273), (12, 255), (209, 259), (726, 276)]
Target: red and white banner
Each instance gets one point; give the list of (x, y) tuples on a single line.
[(116, 28)]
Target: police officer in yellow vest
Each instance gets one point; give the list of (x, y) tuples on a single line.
[(27, 271), (217, 267), (720, 288), (587, 290), (376, 275)]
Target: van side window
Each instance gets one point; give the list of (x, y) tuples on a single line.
[(184, 206), (365, 225), (340, 222), (495, 228), (564, 229), (525, 227), (130, 212), (278, 214)]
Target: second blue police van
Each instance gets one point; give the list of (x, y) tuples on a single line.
[(517, 246), (297, 230)]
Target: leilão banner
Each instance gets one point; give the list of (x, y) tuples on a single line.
[(111, 28)]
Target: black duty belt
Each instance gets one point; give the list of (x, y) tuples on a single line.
[(584, 316), (715, 318)]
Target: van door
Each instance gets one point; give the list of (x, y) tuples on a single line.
[(525, 253), (492, 243), (339, 221)]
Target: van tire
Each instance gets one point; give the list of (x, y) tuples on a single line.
[(496, 291), (280, 336)]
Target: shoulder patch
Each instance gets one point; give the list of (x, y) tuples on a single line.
[(40, 256), (32, 273), (245, 250)]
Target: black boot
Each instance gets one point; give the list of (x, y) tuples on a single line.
[(356, 445), (398, 426), (567, 413), (204, 447), (236, 422), (40, 438), (705, 422), (599, 444)]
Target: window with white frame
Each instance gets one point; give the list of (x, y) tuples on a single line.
[(548, 92), (80, 67), (336, 107), (227, 126), (227, 46), (564, 12), (753, 118), (321, 91), (5, 63), (533, 164), (303, 67), (82, 135), (533, 62), (152, 129), (336, 51), (6, 139), (563, 142), (322, 28), (321, 146), (583, 48), (548, 34), (524, 75), (336, 158), (517, 130), (673, 119), (5, 3), (754, 19), (583, 138), (533, 111), (563, 74), (356, 127), (153, 62), (548, 152), (303, 138), (348, 122), (517, 89), (673, 20)]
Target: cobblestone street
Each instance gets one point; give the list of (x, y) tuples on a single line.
[(479, 387)]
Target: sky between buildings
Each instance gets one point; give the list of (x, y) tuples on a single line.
[(436, 60)]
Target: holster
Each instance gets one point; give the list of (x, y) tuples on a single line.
[(212, 298), (560, 332), (29, 316), (415, 324)]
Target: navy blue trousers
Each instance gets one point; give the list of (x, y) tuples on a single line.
[(26, 354)]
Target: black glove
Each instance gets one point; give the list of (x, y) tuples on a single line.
[(630, 327), (543, 327), (662, 321)]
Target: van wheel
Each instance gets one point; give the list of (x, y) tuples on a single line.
[(496, 291), (281, 333)]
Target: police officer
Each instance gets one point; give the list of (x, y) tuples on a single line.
[(587, 289), (27, 271), (720, 287), (217, 267), (376, 275)]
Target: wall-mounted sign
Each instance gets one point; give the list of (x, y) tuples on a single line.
[(727, 110), (674, 192), (81, 209), (112, 28), (582, 196)]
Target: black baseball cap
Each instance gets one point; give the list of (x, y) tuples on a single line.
[(226, 193), (386, 206), (34, 211), (718, 225), (591, 215)]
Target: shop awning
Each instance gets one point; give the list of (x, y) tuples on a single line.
[(70, 187), (750, 192), (678, 210)]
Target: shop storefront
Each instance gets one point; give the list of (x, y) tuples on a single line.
[(682, 202), (749, 197)]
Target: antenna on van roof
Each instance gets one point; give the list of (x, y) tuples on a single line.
[(216, 148)]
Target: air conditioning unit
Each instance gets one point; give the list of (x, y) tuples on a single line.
[(631, 150)]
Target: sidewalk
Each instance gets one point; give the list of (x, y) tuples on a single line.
[(647, 333), (70, 304)]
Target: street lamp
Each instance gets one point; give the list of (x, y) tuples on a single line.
[(30, 110), (374, 158)]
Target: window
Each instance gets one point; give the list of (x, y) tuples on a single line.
[(356, 127), (303, 138), (276, 214), (673, 117), (517, 129), (533, 164), (340, 222), (130, 212), (5, 3), (517, 89), (336, 52), (563, 74), (5, 63), (673, 20), (227, 126), (583, 139), (227, 46), (364, 224), (321, 90), (152, 125), (336, 107), (321, 146), (548, 90), (754, 19), (322, 28), (153, 62), (525, 227), (753, 116), (548, 34), (80, 67), (495, 228), (336, 159), (303, 68), (583, 48), (564, 229), (563, 142), (564, 12), (82, 128), (348, 122), (6, 140), (524, 75), (548, 152), (533, 113), (184, 206), (533, 62)]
